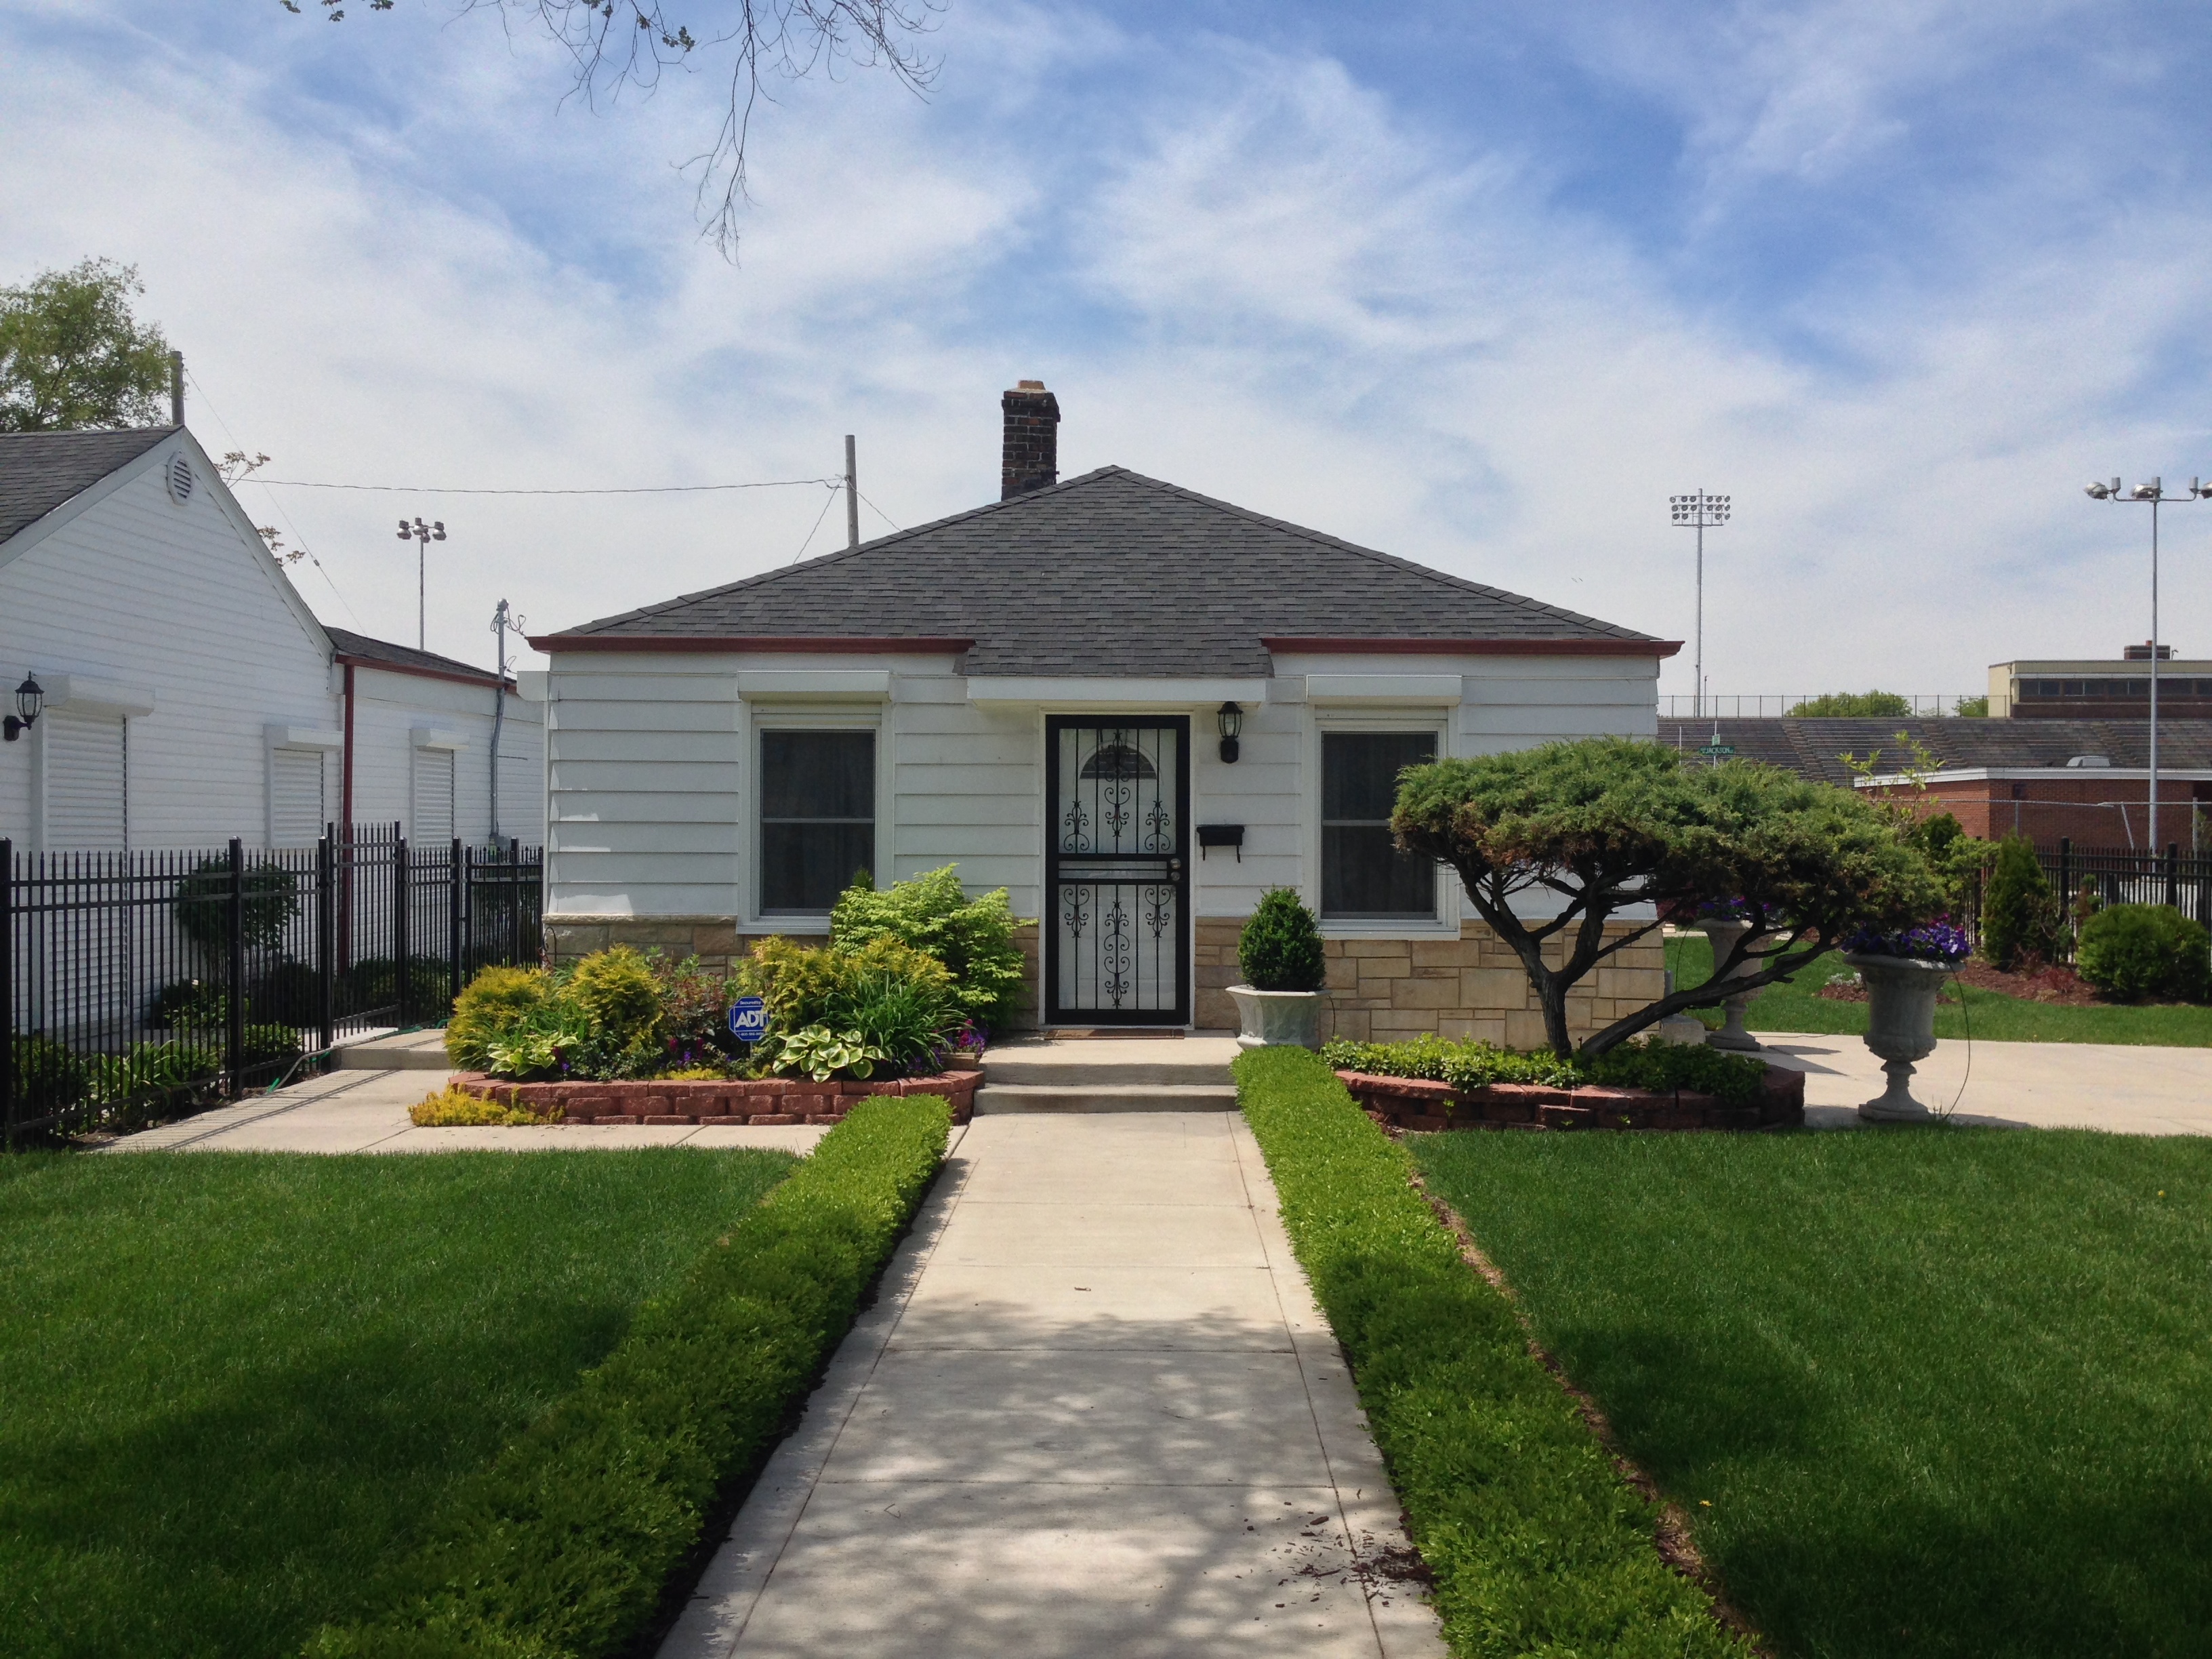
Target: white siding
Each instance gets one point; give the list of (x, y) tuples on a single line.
[(650, 761), (389, 708), (136, 588)]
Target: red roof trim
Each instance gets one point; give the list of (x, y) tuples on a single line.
[(1480, 648), (384, 668), (874, 646)]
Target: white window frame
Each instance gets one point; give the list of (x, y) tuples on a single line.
[(1445, 924), (782, 718), (294, 740)]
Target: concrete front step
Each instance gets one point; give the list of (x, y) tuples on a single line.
[(1107, 1097), (414, 1051)]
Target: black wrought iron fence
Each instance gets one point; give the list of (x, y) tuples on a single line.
[(134, 984), (2088, 877)]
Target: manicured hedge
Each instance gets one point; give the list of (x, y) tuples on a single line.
[(1537, 1544), (1663, 1066), (563, 1547)]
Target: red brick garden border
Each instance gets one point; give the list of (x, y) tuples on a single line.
[(1402, 1102), (754, 1100)]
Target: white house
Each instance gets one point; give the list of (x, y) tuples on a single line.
[(1134, 707), (189, 694)]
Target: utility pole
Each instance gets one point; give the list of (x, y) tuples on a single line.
[(1700, 512), (2154, 493), (176, 388), (502, 620), (852, 496), (422, 535)]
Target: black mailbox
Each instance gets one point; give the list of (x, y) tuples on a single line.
[(1211, 835)]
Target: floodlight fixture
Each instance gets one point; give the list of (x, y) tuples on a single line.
[(1700, 511)]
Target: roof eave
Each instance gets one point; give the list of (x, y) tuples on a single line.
[(873, 645), (1482, 648)]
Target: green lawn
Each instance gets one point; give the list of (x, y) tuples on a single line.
[(231, 1385), (1793, 1006), (1945, 1392)]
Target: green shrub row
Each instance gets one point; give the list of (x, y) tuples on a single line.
[(1735, 1078), (563, 1548), (1537, 1544), (121, 1089)]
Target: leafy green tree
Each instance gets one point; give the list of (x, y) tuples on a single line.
[(72, 356), (1851, 705), (1973, 709), (1589, 829)]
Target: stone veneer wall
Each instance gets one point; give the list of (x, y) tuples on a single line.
[(1384, 990), (717, 941)]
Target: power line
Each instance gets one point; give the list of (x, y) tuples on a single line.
[(829, 499), (459, 489), (298, 540), (873, 508)]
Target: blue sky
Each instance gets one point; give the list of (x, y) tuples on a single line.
[(1479, 286)]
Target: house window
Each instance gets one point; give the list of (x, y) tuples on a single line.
[(434, 797), (1364, 877), (295, 797), (87, 769), (818, 817)]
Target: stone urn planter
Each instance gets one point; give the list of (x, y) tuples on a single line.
[(1900, 1028), (1268, 1019), (1724, 934)]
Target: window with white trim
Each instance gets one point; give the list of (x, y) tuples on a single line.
[(817, 817), (1363, 877)]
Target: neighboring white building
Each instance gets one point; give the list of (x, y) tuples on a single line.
[(190, 694), (1037, 691)]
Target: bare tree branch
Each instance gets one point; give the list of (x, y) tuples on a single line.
[(614, 45)]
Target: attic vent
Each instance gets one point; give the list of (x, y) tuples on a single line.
[(2090, 760), (180, 480), (1117, 762)]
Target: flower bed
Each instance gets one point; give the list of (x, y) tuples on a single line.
[(773, 1100), (1420, 1104)]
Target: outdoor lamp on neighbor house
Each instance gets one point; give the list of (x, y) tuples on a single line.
[(1231, 722), (30, 698)]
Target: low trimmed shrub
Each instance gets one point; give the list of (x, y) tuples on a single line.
[(1537, 1544), (1280, 948), (451, 1108), (1735, 1078), (2130, 952), (563, 1548), (188, 1004)]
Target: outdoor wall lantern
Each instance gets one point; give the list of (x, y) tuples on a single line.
[(1231, 722), (30, 698)]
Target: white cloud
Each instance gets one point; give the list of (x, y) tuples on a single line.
[(1244, 271)]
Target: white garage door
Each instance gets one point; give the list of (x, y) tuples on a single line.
[(434, 797), (87, 767)]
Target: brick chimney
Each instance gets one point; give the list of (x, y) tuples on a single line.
[(1031, 457)]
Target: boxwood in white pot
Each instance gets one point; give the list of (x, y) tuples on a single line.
[(1279, 954)]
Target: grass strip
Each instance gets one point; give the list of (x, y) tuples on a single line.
[(1537, 1544), (1795, 1005), (563, 1547), (1926, 1394)]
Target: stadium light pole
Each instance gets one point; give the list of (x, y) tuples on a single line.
[(422, 535), (2154, 493), (1699, 512)]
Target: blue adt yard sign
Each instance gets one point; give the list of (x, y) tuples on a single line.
[(748, 1020)]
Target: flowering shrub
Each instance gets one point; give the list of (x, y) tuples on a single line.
[(1932, 941)]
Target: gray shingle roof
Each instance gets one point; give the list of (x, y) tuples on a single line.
[(1810, 747), (350, 644), (1111, 572), (40, 471)]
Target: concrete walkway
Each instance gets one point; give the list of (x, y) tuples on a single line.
[(2125, 1088), (366, 1112), (1093, 1411)]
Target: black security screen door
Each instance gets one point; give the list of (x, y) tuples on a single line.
[(1117, 947)]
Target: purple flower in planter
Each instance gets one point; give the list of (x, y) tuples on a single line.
[(1931, 941)]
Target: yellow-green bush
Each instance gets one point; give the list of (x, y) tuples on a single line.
[(490, 1006), (456, 1107), (618, 992)]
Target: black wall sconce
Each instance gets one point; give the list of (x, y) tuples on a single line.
[(1231, 722), (30, 698)]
